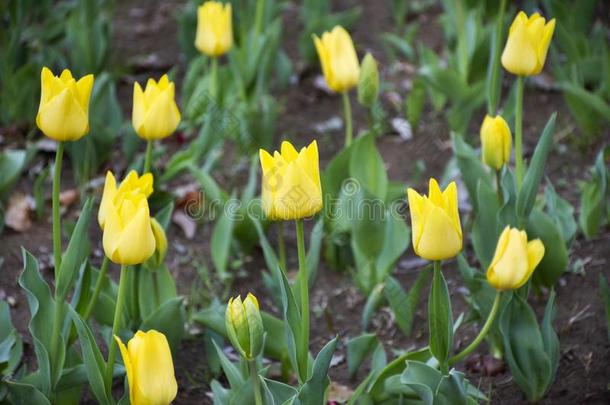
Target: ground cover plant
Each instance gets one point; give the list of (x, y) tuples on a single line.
[(317, 202)]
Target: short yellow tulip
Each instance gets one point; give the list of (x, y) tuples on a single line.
[(527, 45), (155, 113), (214, 28), (514, 260), (128, 236), (436, 233), (132, 184), (496, 141), (150, 369), (63, 113), (338, 59), (291, 186), (245, 326)]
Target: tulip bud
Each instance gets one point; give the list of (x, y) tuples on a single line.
[(160, 244), (150, 369), (63, 113), (214, 28), (155, 113), (291, 186), (527, 44), (436, 229), (338, 59), (514, 260), (368, 86), (245, 326), (495, 142)]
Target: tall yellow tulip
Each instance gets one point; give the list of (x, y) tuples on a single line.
[(131, 185), (527, 45), (291, 186), (128, 237), (496, 142), (514, 260), (63, 113), (338, 59), (214, 28), (155, 113), (437, 232), (150, 369)]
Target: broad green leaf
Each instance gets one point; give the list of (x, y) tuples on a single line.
[(12, 163), (232, 373), (367, 167), (277, 393), (549, 337), (403, 305), (220, 245), (397, 237), (358, 349), (155, 287), (313, 391), (26, 394), (471, 168), (555, 260), (293, 331), (168, 319), (594, 210), (562, 213), (11, 345), (485, 229), (440, 318)]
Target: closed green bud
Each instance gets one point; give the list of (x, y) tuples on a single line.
[(368, 86), (245, 326)]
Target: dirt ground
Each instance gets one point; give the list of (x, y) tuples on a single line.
[(145, 40)]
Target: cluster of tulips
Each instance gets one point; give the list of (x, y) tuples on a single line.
[(291, 190)]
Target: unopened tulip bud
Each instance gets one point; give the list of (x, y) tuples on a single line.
[(495, 142), (245, 326), (368, 86)]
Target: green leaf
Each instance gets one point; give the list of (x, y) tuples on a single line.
[(397, 237), (594, 198), (372, 302), (277, 393), (471, 168), (368, 226), (555, 260), (11, 345), (549, 337), (403, 305), (152, 284), (314, 390), (293, 331), (232, 373), (367, 167), (169, 319), (533, 176), (12, 163), (358, 349), (220, 245), (562, 213), (485, 228), (440, 318), (25, 394)]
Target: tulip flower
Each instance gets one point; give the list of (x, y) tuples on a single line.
[(514, 260), (245, 326), (63, 113), (338, 59), (132, 184), (436, 233), (495, 142), (155, 113), (291, 186), (128, 236), (150, 369), (527, 45), (214, 28)]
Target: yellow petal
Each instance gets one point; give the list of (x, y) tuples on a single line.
[(139, 106), (136, 242), (267, 161), (161, 118), (84, 87), (289, 153), (519, 56), (154, 370), (450, 199), (62, 118), (107, 198), (510, 271), (128, 366), (535, 253), (439, 239)]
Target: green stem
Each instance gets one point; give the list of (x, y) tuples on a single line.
[(347, 112), (281, 245), (304, 286), (519, 133), (258, 22), (214, 79), (98, 287), (56, 217), (499, 187), (148, 156), (490, 320), (118, 312), (492, 102), (258, 400)]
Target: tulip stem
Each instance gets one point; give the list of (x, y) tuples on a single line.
[(260, 11), (214, 79), (304, 286), (281, 245), (519, 133), (148, 156), (56, 217), (118, 312), (258, 400), (347, 112), (98, 287), (490, 320)]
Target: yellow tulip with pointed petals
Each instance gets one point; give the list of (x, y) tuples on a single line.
[(496, 142), (128, 237), (527, 44), (63, 113), (515, 260), (214, 28), (132, 184), (437, 232), (338, 59), (291, 186), (150, 368), (155, 113)]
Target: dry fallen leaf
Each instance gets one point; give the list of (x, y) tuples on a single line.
[(339, 393), (68, 197), (17, 215), (185, 223)]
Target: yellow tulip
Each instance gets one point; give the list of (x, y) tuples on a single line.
[(436, 233), (63, 113), (514, 260), (245, 326), (155, 113), (495, 142), (128, 236), (132, 184), (338, 59), (527, 45), (150, 369), (214, 28), (291, 186)]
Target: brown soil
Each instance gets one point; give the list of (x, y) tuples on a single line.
[(145, 40)]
